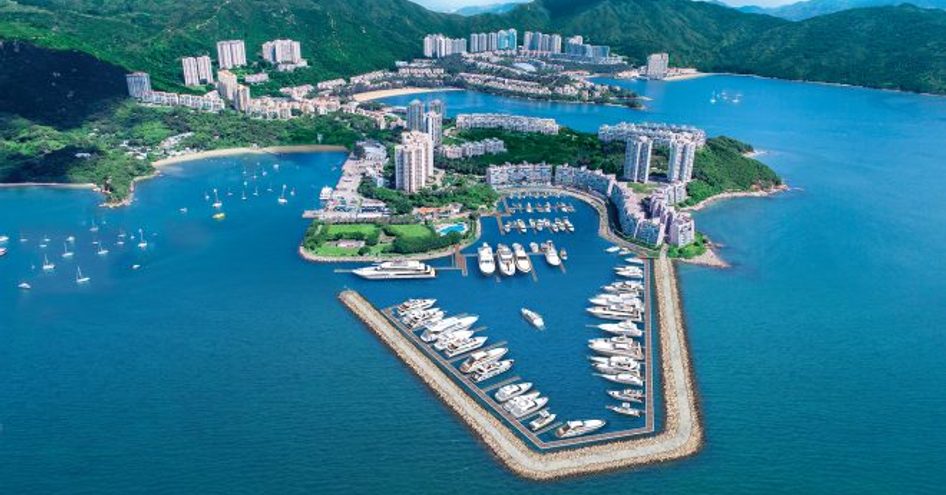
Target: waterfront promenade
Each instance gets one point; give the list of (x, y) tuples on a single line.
[(682, 434)]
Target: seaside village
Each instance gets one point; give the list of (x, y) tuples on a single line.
[(651, 221)]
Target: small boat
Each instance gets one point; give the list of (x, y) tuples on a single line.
[(464, 346), (578, 428), (627, 395), (622, 363), (525, 405), (563, 254), (613, 249), (4, 239), (135, 266), (543, 419), (414, 305), (634, 261), (81, 279), (282, 197), (219, 216), (142, 242), (101, 250), (47, 266), (94, 227), (624, 378), (534, 247), (507, 392), (217, 203), (534, 319), (625, 327), (24, 286), (608, 347), (626, 409), (448, 339)]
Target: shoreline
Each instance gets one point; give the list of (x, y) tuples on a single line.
[(736, 194), (682, 435), (432, 255), (388, 93), (246, 150)]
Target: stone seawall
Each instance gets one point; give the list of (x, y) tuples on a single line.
[(681, 437)]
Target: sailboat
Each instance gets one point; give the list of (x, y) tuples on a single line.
[(243, 197), (66, 253), (255, 190), (217, 203), (142, 242), (47, 266), (94, 227), (101, 251), (292, 192), (282, 198), (81, 279)]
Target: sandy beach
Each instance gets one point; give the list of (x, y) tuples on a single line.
[(385, 93), (688, 76), (246, 150)]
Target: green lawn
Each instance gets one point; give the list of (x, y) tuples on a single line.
[(365, 229), (410, 231)]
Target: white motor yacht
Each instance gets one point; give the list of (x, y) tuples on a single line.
[(523, 263), (414, 304), (543, 419), (464, 346), (625, 327), (551, 255), (492, 369), (627, 395), (525, 405), (396, 270), (507, 392), (626, 409), (624, 378), (485, 257), (506, 260), (534, 319), (577, 428), (608, 347), (481, 358)]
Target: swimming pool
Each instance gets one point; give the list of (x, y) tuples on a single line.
[(452, 227)]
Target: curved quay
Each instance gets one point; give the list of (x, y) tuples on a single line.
[(681, 437)]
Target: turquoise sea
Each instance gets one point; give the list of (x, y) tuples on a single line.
[(225, 364)]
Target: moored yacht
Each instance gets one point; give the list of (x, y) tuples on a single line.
[(543, 419), (551, 255), (525, 405), (506, 260), (626, 378), (523, 263), (453, 338), (485, 257), (462, 347), (627, 395), (621, 363), (507, 392), (608, 347), (414, 305), (616, 312), (480, 359), (625, 327), (492, 369), (447, 325), (577, 428), (396, 270), (626, 409)]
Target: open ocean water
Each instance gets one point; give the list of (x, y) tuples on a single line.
[(225, 364)]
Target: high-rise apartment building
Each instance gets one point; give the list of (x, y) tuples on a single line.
[(637, 159), (438, 106), (282, 52), (415, 116), (231, 53), (197, 70), (657, 64), (413, 161), (433, 126), (139, 84), (680, 160)]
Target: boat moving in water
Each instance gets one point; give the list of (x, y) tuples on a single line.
[(577, 428), (507, 392), (523, 263), (485, 257), (396, 270), (534, 319)]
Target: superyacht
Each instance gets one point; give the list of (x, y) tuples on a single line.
[(396, 270), (534, 319)]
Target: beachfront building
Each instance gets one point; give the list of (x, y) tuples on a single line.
[(197, 71), (682, 230), (520, 175), (413, 161), (286, 54), (231, 53), (637, 159), (516, 123), (139, 84), (439, 46), (657, 65)]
